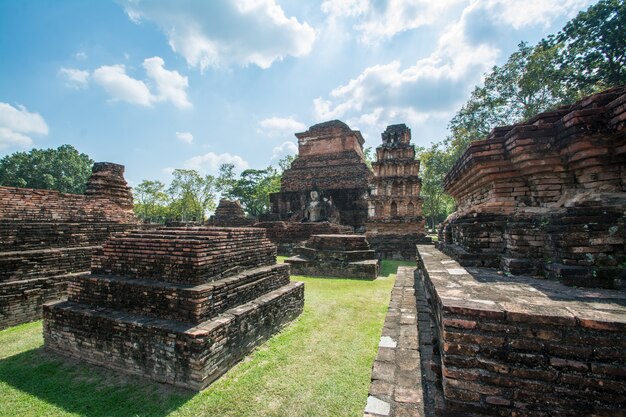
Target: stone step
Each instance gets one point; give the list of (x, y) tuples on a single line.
[(188, 303), (178, 353), (366, 269), (339, 255)]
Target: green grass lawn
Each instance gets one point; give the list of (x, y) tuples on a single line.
[(318, 366)]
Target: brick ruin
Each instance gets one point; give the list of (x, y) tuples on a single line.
[(395, 223), (46, 237), (229, 213), (328, 180), (177, 305), (547, 196), (521, 346), (339, 256), (287, 235)]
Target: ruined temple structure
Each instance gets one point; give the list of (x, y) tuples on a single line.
[(328, 180), (177, 305), (546, 196), (229, 213), (395, 223), (46, 237), (339, 256), (287, 235)]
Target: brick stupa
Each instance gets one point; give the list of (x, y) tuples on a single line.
[(177, 305), (395, 224), (328, 180), (339, 256)]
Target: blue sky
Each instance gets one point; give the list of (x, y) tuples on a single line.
[(157, 85)]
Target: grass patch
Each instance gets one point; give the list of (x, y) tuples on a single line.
[(318, 366)]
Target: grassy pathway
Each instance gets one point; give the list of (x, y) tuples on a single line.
[(318, 366)]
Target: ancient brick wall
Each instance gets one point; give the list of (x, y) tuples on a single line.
[(521, 346), (395, 223), (286, 235), (546, 196), (177, 305), (330, 162), (47, 236), (338, 256)]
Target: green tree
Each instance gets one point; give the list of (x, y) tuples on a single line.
[(435, 163), (192, 196), (151, 201), (253, 189), (528, 83), (592, 48), (226, 179), (63, 169)]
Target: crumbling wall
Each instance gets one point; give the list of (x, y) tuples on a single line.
[(47, 236), (546, 196)]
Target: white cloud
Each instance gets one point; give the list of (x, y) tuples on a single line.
[(169, 85), (286, 148), (520, 13), (186, 137), (210, 162), (74, 78), (17, 123), (224, 32), (280, 126), (80, 56), (121, 87), (381, 20)]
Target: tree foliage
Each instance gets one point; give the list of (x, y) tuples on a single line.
[(63, 169), (586, 56)]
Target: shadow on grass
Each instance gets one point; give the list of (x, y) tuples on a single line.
[(83, 389)]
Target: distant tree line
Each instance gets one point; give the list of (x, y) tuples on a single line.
[(588, 55), (191, 197)]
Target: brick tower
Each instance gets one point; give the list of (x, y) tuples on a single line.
[(395, 223)]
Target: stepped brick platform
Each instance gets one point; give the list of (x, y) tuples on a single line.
[(287, 235), (46, 237), (395, 223), (547, 196), (328, 180), (229, 213), (177, 305), (521, 346), (340, 256)]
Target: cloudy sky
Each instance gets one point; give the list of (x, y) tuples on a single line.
[(157, 85)]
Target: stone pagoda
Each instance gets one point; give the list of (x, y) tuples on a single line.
[(339, 256), (177, 305), (395, 223), (229, 213), (328, 180)]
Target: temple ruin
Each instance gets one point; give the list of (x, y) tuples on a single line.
[(47, 237), (338, 256), (395, 223), (229, 213), (177, 305), (328, 180), (546, 196), (540, 199)]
